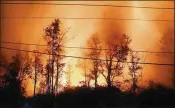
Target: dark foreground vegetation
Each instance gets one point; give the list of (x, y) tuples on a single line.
[(155, 97)]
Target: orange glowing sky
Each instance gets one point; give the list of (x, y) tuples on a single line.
[(144, 34)]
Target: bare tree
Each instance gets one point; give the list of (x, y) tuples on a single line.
[(108, 65), (119, 53), (37, 63), (133, 70), (95, 52)]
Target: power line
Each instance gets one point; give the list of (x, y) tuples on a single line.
[(83, 18), (86, 48), (94, 5), (84, 57)]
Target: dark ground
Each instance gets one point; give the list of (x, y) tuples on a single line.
[(157, 97)]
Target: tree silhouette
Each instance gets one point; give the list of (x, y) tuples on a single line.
[(95, 52), (54, 41), (21, 67), (3, 64), (47, 74), (119, 53), (37, 63), (59, 67), (17, 71), (3, 68), (133, 70)]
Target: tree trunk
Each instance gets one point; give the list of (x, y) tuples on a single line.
[(133, 84), (48, 80), (56, 80), (88, 83), (50, 83), (35, 79), (109, 78), (109, 73), (95, 79), (52, 75), (95, 74), (52, 65)]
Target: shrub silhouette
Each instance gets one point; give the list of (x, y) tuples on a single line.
[(157, 96), (100, 97), (11, 95)]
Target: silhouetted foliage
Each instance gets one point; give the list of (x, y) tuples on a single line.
[(103, 97), (95, 53), (157, 96), (133, 70), (12, 93), (38, 67), (20, 67), (118, 52), (54, 40)]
